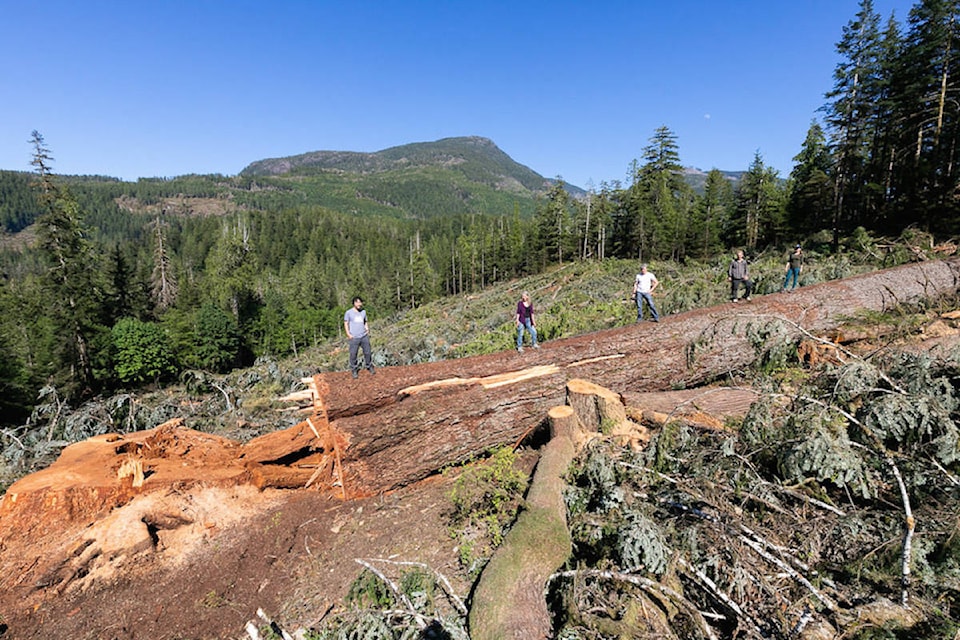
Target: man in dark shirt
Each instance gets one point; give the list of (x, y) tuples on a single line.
[(739, 275), (794, 268)]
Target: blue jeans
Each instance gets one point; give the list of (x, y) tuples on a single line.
[(649, 299), (796, 277), (533, 333)]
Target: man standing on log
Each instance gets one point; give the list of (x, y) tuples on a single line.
[(738, 275), (643, 287), (355, 326)]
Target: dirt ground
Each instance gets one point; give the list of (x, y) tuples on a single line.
[(292, 553)]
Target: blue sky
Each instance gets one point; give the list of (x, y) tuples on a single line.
[(570, 89)]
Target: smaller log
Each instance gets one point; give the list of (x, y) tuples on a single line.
[(695, 420), (509, 600), (563, 422)]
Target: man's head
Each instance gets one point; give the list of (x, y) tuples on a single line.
[(739, 254), (357, 302), (643, 268)]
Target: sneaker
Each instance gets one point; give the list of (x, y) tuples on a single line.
[(536, 346), (355, 374), (519, 349), (372, 372), (656, 319), (747, 299), (735, 300)]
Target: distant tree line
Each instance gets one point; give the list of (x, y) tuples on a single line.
[(111, 295)]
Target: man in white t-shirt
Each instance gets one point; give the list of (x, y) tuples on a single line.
[(643, 287)]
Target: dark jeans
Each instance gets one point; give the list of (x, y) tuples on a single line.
[(792, 273), (355, 345), (641, 297), (735, 287)]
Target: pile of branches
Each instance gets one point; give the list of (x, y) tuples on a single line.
[(831, 511)]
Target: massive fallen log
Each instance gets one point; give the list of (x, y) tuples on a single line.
[(408, 422), (373, 434)]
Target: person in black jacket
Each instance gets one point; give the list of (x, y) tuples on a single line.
[(738, 274)]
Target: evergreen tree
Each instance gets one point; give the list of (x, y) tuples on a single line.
[(141, 352), (713, 215), (231, 270), (926, 97), (74, 293), (850, 114), (810, 197), (216, 340), (553, 225), (759, 206), (660, 200), (163, 282)]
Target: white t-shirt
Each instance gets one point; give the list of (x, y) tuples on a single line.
[(645, 282)]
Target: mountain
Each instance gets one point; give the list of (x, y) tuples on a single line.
[(697, 178), (476, 158)]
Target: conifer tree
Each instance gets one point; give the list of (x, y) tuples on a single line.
[(810, 197), (926, 94), (759, 205), (553, 225), (713, 215), (71, 279), (660, 199), (163, 282), (849, 113)]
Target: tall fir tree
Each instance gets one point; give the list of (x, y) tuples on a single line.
[(659, 199), (925, 91), (760, 203), (714, 212), (74, 292), (810, 197), (850, 114)]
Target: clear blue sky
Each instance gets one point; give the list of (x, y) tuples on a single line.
[(569, 88)]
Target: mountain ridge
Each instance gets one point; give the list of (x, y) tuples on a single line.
[(477, 157)]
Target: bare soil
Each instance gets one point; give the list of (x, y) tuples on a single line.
[(291, 553)]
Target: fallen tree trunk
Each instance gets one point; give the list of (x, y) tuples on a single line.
[(418, 419), (508, 601)]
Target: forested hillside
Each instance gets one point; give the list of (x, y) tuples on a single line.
[(132, 283)]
